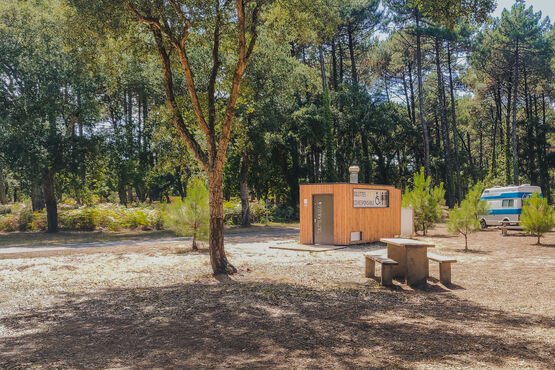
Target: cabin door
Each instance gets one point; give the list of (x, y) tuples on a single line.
[(322, 215)]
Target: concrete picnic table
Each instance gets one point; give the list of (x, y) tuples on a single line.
[(412, 256)]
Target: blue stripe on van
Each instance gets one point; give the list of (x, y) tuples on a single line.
[(507, 211), (509, 195)]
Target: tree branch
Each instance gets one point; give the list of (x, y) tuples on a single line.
[(214, 73), (237, 77), (177, 118)]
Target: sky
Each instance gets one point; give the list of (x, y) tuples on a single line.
[(547, 7)]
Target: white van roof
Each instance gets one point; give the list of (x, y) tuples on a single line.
[(511, 191)]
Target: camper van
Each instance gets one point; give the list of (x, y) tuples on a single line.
[(505, 203)]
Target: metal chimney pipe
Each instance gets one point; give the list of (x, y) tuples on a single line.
[(353, 174)]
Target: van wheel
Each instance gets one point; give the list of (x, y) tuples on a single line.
[(483, 224)]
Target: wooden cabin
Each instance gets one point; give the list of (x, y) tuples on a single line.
[(348, 213)]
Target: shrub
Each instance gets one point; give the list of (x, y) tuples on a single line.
[(9, 223), (135, 218), (5, 209), (282, 213), (25, 218), (190, 217), (425, 201), (39, 221), (537, 216)]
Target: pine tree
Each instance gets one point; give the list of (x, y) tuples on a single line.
[(464, 219), (190, 217), (425, 201), (537, 216)]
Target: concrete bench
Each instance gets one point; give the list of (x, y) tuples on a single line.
[(387, 267), (444, 266)]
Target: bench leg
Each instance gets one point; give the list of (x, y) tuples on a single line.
[(445, 272), (370, 270), (387, 275)]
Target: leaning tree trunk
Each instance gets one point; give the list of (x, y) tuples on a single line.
[(218, 259), (50, 200)]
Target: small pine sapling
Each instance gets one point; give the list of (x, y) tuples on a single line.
[(464, 219), (425, 201), (190, 216), (537, 216)]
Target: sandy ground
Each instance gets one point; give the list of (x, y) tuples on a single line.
[(157, 305)]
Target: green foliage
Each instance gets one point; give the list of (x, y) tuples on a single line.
[(425, 201), (191, 216), (479, 206), (537, 215), (86, 218), (105, 216)]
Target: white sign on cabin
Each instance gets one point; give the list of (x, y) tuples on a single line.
[(370, 198)]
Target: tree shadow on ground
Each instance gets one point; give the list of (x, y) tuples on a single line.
[(256, 324)]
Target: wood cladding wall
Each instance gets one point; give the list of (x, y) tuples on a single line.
[(374, 223)]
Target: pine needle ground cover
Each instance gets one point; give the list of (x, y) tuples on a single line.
[(155, 306)]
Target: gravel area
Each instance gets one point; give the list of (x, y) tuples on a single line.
[(157, 305)]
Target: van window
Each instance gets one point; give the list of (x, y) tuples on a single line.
[(507, 203)]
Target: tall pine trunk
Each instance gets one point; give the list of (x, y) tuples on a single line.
[(508, 135), (50, 200), (458, 190), (3, 188), (513, 131), (444, 128), (352, 54), (421, 95)]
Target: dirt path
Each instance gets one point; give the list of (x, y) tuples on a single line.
[(158, 306), (39, 247)]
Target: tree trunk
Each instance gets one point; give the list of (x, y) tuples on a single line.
[(37, 197), (50, 200), (194, 245), (544, 174), (514, 138), (333, 65), (458, 189), (405, 91), (465, 243), (218, 259), (244, 189), (122, 195), (508, 135), (352, 54), (411, 85), (444, 128), (421, 96), (3, 188), (322, 67), (341, 71), (365, 155)]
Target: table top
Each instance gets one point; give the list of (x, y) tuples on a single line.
[(407, 242)]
